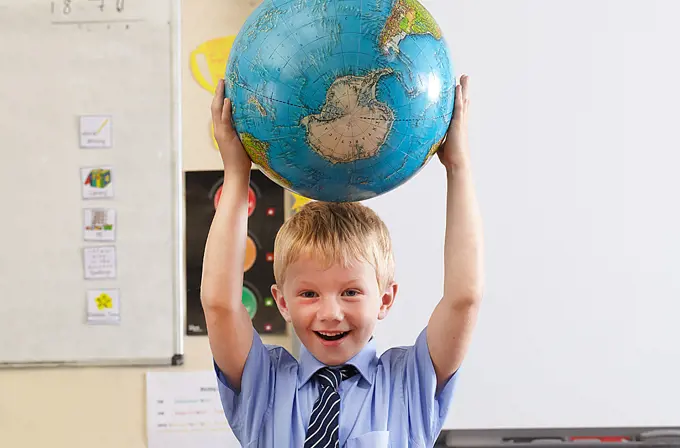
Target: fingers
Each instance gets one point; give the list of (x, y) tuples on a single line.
[(218, 102), (226, 113), (221, 110), (462, 99), (465, 86), (464, 83), (458, 103)]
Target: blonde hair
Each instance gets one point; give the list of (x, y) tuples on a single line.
[(335, 233)]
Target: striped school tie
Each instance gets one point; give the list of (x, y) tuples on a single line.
[(322, 431)]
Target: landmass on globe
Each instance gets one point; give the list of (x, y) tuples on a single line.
[(408, 17), (434, 148), (255, 102), (259, 154), (352, 124)]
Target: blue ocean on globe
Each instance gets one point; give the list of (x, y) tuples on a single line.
[(340, 100)]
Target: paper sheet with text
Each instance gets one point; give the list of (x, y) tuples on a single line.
[(184, 410)]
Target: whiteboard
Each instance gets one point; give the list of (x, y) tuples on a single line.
[(575, 155), (115, 62)]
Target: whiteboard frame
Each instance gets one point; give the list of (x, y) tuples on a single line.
[(177, 150), (179, 286)]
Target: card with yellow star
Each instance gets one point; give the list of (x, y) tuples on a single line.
[(103, 306)]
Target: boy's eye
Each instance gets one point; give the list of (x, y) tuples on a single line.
[(308, 294), (352, 293)]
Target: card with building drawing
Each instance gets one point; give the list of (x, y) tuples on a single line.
[(99, 224)]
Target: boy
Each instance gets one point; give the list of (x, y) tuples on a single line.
[(334, 280)]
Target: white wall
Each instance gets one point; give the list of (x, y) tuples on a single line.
[(574, 142)]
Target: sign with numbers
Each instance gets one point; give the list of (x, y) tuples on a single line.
[(90, 11)]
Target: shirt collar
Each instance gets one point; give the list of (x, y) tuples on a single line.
[(365, 361)]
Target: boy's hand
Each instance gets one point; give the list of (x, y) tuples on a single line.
[(234, 157), (454, 152)]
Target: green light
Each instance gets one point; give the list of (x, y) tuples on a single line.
[(250, 301)]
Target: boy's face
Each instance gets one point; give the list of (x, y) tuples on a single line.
[(333, 310)]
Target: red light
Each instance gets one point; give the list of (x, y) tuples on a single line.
[(252, 200), (218, 195), (267, 327)]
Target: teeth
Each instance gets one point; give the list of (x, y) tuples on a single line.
[(325, 333)]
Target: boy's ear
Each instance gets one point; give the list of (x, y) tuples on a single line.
[(281, 302), (387, 300)]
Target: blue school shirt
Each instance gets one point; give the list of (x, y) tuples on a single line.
[(391, 402)]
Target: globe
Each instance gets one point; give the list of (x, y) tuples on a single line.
[(340, 100)]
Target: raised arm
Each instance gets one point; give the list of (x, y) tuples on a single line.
[(450, 328), (230, 330)]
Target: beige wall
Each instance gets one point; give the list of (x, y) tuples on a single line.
[(105, 407), (203, 21)]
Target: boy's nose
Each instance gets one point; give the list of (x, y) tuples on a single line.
[(329, 309)]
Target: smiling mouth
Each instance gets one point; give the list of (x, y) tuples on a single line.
[(335, 336)]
